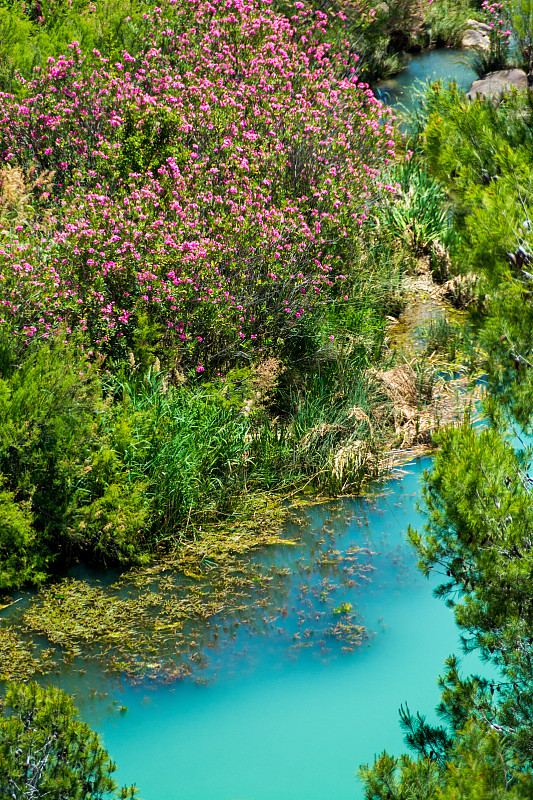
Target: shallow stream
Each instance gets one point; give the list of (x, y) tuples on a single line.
[(442, 64)]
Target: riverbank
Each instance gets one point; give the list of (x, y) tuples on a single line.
[(164, 434)]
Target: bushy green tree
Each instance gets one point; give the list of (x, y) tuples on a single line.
[(46, 751), (66, 491), (20, 559), (483, 153), (479, 766), (479, 537)]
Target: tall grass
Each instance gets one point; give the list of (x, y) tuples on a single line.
[(201, 459), (334, 435), (204, 462), (446, 21), (419, 212)]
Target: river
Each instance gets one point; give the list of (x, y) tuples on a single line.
[(291, 706), (293, 723)]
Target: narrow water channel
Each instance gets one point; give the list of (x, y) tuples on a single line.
[(291, 719)]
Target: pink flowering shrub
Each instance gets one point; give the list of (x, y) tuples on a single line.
[(500, 34), (214, 185)]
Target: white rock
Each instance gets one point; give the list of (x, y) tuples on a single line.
[(472, 38), (479, 26)]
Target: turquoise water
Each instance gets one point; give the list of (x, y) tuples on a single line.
[(286, 721), (442, 64)]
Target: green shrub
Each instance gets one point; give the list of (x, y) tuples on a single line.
[(419, 212), (20, 559)]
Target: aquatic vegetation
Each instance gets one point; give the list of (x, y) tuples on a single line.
[(151, 619), (20, 659), (178, 618)]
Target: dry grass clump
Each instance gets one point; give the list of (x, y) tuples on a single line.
[(265, 376), (422, 403), (17, 189), (461, 291)]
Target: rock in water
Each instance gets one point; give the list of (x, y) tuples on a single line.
[(496, 84)]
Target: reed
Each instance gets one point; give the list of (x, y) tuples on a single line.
[(446, 21), (419, 212)]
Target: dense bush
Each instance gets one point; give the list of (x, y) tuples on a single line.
[(214, 185), (483, 154)]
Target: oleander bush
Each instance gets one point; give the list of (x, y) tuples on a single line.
[(212, 187)]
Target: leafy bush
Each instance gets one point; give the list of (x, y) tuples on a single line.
[(419, 212), (67, 494)]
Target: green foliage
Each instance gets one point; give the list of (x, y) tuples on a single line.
[(197, 454), (419, 211), (483, 154), (445, 21), (47, 428), (479, 766), (482, 767), (235, 390), (67, 493), (147, 141), (330, 422), (519, 17), (400, 778), (478, 534), (492, 60), (46, 751), (20, 560), (32, 32)]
